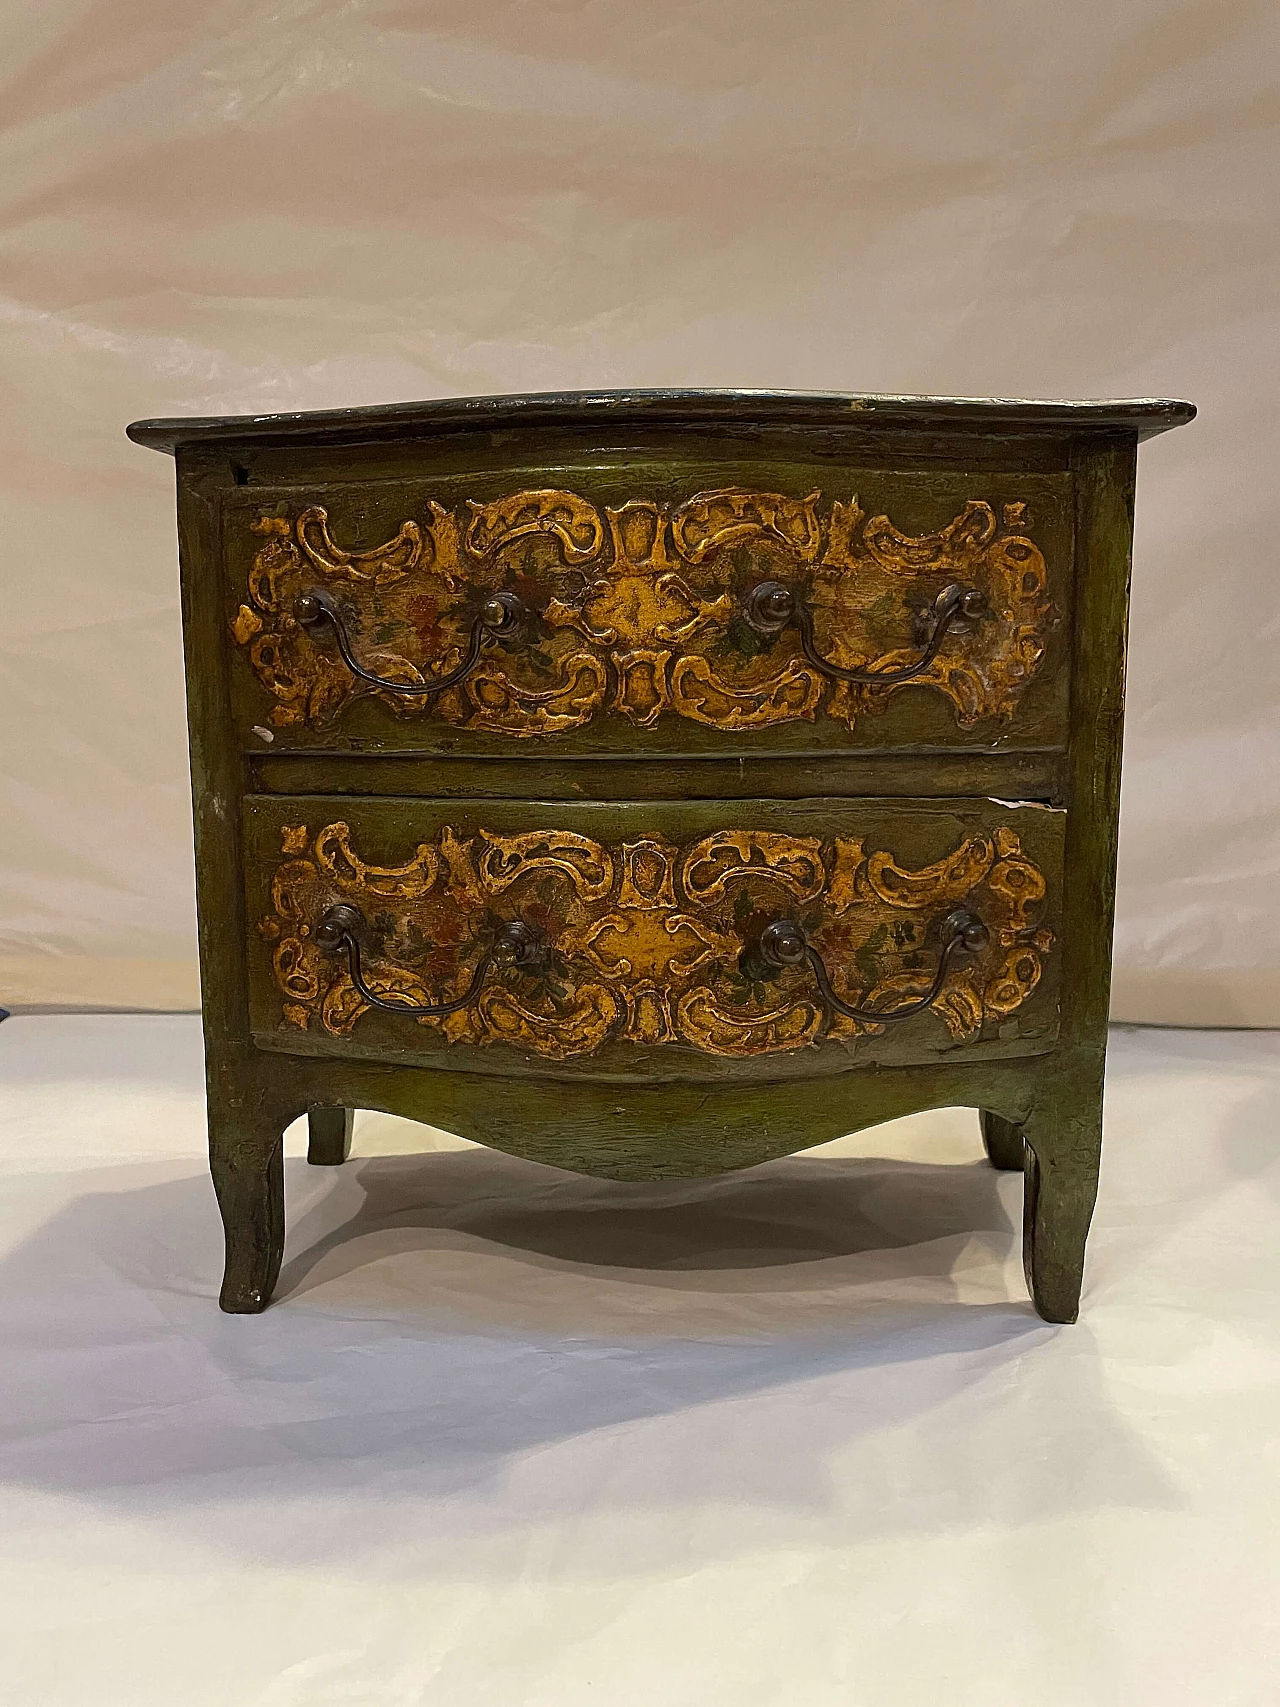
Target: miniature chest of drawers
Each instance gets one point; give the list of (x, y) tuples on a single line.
[(655, 783)]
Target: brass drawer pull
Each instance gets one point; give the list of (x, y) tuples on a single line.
[(514, 944), (782, 944), (772, 606), (500, 614)]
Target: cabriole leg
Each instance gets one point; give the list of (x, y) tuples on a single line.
[(246, 1156), (1063, 1147), (329, 1136), (1003, 1141)]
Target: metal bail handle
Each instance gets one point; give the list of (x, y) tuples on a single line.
[(514, 944), (501, 614), (771, 606), (783, 944)]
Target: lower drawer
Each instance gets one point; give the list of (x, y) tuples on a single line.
[(653, 940)]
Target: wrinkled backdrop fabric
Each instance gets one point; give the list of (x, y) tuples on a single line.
[(219, 208)]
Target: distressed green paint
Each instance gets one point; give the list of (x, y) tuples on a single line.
[(1041, 1111)]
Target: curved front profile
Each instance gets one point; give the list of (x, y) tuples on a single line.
[(654, 941), (613, 609)]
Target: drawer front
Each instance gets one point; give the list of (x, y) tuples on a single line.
[(665, 609), (641, 940)]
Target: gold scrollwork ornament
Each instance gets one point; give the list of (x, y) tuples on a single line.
[(646, 937), (638, 610)]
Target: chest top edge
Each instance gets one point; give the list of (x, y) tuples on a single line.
[(669, 408)]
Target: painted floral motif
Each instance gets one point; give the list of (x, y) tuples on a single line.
[(638, 611), (645, 936)]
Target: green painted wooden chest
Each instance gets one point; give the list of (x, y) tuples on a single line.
[(654, 783)]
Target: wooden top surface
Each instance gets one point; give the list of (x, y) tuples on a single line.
[(827, 409)]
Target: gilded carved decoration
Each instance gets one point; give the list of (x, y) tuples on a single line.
[(638, 610), (645, 937)]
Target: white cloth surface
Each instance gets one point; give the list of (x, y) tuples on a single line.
[(212, 207), (792, 1438)]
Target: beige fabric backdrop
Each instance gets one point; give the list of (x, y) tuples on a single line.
[(210, 208)]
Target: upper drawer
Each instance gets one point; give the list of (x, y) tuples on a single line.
[(656, 608)]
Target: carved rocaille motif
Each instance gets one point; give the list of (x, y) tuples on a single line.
[(639, 610), (645, 938)]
